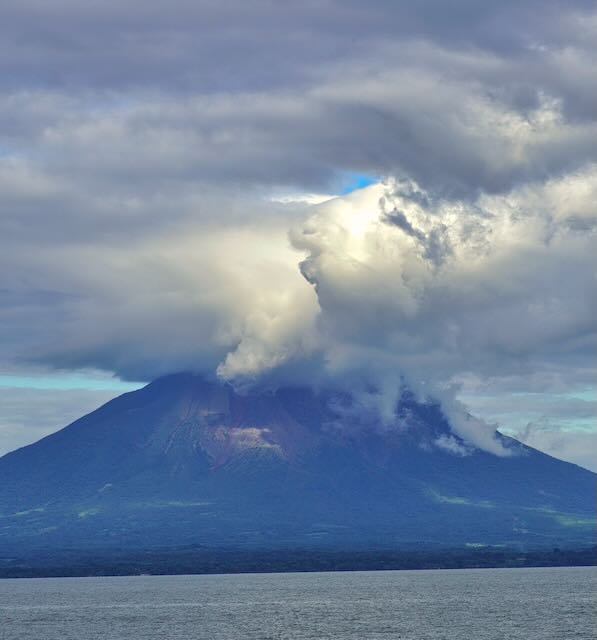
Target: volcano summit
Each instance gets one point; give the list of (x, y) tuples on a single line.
[(184, 461)]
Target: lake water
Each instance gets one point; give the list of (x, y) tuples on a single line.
[(480, 604)]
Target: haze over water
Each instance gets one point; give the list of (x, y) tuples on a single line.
[(518, 604)]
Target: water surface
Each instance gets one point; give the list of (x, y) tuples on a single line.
[(483, 604)]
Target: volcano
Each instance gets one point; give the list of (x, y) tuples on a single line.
[(187, 461)]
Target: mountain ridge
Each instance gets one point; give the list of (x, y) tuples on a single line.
[(187, 461)]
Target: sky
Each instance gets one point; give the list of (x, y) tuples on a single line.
[(365, 195)]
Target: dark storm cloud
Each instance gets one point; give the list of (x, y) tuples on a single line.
[(238, 45), (461, 96)]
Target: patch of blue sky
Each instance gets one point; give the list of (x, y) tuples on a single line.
[(569, 411), (576, 424), (584, 393), (349, 182), (60, 382), (516, 422), (590, 394)]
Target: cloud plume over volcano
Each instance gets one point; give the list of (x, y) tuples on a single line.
[(158, 210)]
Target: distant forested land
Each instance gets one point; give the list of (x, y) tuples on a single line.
[(191, 560)]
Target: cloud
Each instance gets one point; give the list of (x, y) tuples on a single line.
[(158, 166), (233, 46), (434, 244), (190, 300), (351, 92), (514, 293)]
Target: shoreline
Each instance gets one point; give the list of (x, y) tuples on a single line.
[(110, 563)]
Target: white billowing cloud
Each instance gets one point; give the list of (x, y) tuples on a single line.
[(202, 298), (570, 202), (432, 290)]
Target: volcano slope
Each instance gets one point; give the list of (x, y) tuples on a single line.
[(184, 461)]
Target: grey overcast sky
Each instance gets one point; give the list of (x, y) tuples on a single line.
[(331, 192)]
